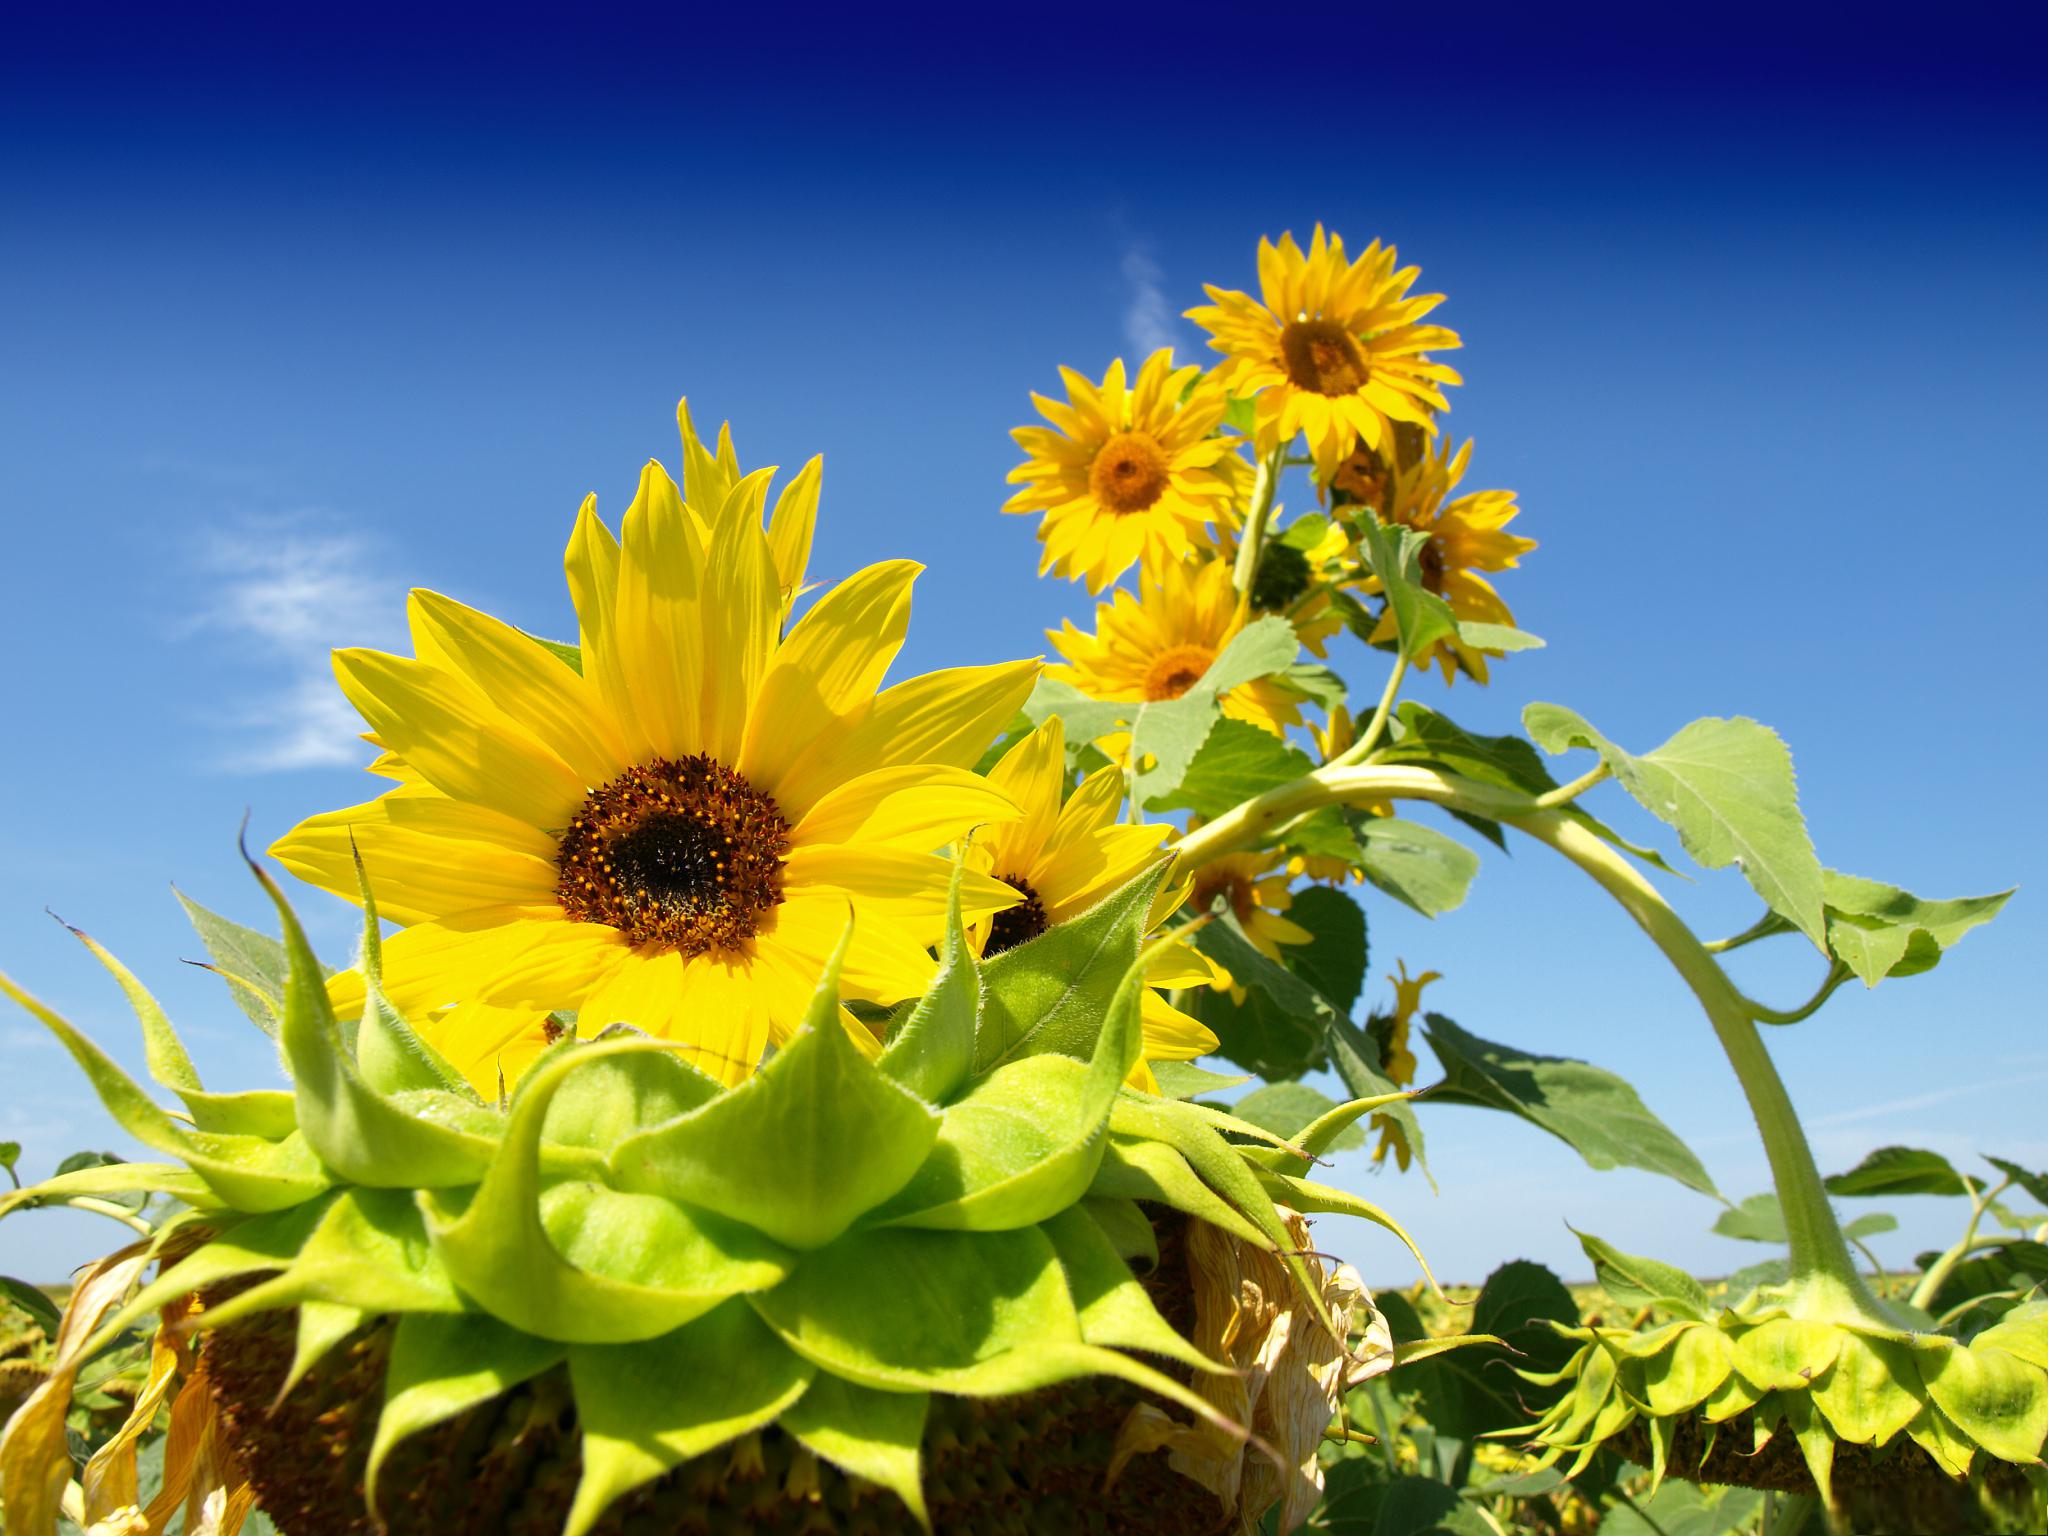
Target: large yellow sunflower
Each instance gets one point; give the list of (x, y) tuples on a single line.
[(1063, 858), (673, 836), (1331, 347), (1467, 535), (1124, 473), (1157, 646)]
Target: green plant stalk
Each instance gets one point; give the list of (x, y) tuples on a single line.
[(1821, 1261), (1370, 737), (1930, 1283), (1253, 542)]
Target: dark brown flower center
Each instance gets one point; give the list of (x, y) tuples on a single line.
[(1129, 473), (1323, 357), (1174, 671), (681, 853), (1283, 576), (1431, 563), (1229, 886), (1016, 925)]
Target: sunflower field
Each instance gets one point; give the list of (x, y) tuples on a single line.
[(765, 1096)]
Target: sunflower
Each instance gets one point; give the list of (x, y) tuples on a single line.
[(1397, 1056), (1063, 859), (1157, 646), (1124, 473), (1331, 347), (673, 835), (1466, 536), (1255, 888)]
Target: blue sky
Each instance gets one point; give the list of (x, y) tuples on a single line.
[(294, 321)]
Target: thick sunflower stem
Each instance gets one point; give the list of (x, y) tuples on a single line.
[(1821, 1260), (1253, 542)]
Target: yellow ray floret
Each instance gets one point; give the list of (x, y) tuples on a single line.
[(1157, 646), (1124, 473), (673, 836), (1064, 856), (1255, 889), (1394, 1033), (1467, 536), (1332, 348)]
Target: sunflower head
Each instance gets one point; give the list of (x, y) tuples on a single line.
[(1331, 347), (379, 1264), (1125, 471), (664, 823)]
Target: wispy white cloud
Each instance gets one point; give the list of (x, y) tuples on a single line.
[(292, 587), (1921, 1100), (1149, 321)]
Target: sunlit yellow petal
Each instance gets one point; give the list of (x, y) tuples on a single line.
[(919, 806)]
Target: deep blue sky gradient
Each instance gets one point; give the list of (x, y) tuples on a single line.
[(1754, 323)]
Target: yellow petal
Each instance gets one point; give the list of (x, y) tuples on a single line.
[(1181, 965), (942, 717), (1171, 1035), (791, 524), (527, 682), (660, 630), (904, 885), (741, 615), (1034, 774), (705, 1005), (919, 806), (456, 740), (591, 563), (830, 665), (431, 966), (885, 961), (415, 875)]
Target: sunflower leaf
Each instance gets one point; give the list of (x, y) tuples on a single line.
[(1879, 930), (643, 1408), (1237, 761), (1053, 992), (1417, 865), (1084, 718), (1592, 1111), (1726, 787), (1421, 618), (1287, 1108), (1165, 736), (1900, 1171), (801, 1150), (254, 964), (1281, 1028)]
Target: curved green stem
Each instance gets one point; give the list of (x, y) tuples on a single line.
[(1930, 1283), (1251, 544), (1370, 737), (1820, 1254), (1837, 974)]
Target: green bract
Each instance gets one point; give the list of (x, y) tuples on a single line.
[(1707, 1389), (822, 1247)]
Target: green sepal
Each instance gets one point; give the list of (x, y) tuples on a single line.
[(1786, 1354), (607, 1100), (870, 1434), (264, 1112), (171, 1179), (1024, 1143), (2022, 1333), (499, 1252), (1138, 1168), (1127, 1227), (370, 1251), (1311, 1199), (390, 1054), (802, 1149), (1936, 1434), (907, 1310), (363, 1135), (1113, 1307), (1635, 1281), (1688, 1373), (1997, 1399), (321, 1326), (251, 1246), (932, 1051), (1327, 1132), (1731, 1398), (246, 1172), (643, 1408), (1872, 1391), (442, 1365), (1052, 993)]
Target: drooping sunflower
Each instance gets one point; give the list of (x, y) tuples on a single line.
[(1063, 858), (1393, 1034), (1158, 645), (1331, 347), (1467, 535), (1255, 886), (673, 835), (1124, 473)]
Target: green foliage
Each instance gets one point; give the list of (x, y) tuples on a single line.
[(1592, 1111), (1879, 930), (1394, 554), (1289, 1108), (1726, 787), (1416, 864), (1237, 762), (1900, 1171), (1634, 1281), (1165, 736), (253, 964), (1758, 1219)]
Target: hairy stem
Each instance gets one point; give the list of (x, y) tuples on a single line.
[(1370, 737), (1819, 1251), (1931, 1282), (1253, 541)]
